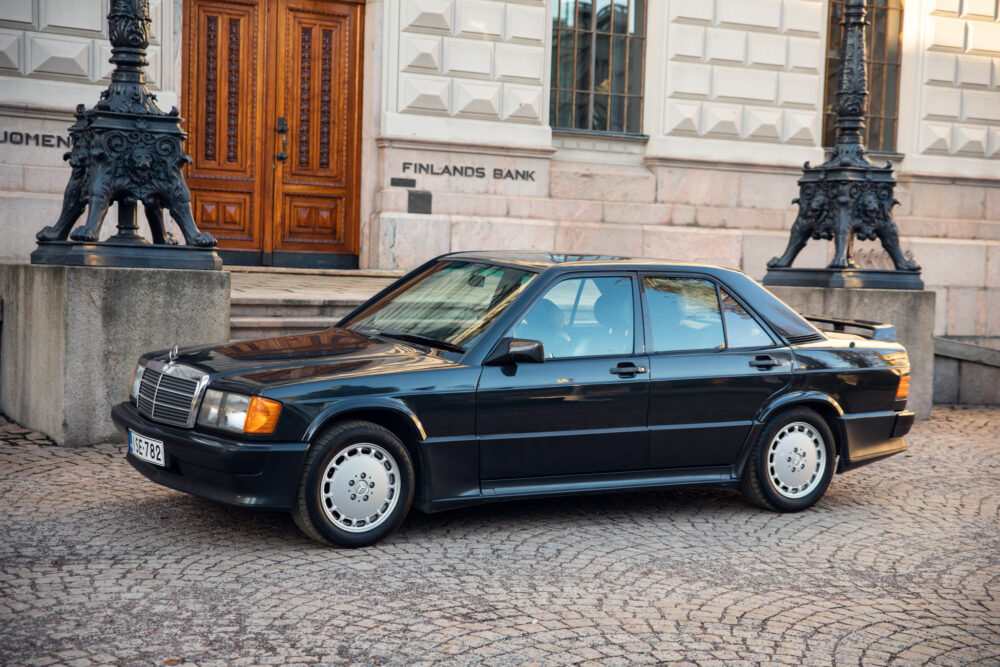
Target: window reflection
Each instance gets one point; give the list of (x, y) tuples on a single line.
[(597, 65), (582, 317), (684, 314), (451, 301)]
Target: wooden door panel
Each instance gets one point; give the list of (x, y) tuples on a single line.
[(314, 219), (315, 190), (222, 101)]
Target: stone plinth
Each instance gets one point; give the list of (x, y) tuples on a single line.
[(71, 335), (910, 311)]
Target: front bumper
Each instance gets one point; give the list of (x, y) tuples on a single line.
[(248, 474), (872, 436)]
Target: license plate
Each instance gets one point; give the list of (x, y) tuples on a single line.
[(144, 448)]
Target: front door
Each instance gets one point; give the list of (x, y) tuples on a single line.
[(272, 98), (583, 410)]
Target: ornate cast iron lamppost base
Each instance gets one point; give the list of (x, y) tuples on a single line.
[(847, 195), (126, 150)]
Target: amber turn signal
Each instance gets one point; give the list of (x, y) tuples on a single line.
[(903, 391), (262, 416)]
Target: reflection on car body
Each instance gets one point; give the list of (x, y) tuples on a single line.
[(488, 376)]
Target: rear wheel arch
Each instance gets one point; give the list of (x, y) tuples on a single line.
[(824, 405), (800, 432), (832, 419)]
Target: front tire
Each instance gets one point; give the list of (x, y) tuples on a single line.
[(792, 461), (356, 485)]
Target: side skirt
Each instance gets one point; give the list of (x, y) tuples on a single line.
[(498, 490)]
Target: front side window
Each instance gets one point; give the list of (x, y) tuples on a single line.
[(883, 50), (597, 65), (582, 317), (452, 302)]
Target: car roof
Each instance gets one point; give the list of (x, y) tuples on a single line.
[(545, 260)]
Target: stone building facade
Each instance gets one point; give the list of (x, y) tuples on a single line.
[(665, 128)]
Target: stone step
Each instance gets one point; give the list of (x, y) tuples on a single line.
[(251, 328), (250, 306), (274, 302)]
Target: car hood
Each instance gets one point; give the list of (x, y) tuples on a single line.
[(276, 361)]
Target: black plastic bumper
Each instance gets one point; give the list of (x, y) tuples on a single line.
[(873, 436), (247, 474)]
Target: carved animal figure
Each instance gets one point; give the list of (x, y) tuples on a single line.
[(128, 166), (826, 212)]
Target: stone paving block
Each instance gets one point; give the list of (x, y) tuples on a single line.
[(896, 564)]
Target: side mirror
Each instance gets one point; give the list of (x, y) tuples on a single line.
[(517, 351)]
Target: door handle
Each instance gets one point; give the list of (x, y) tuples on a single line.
[(763, 362), (627, 369), (282, 129)]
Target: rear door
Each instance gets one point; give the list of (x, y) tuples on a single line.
[(712, 366), (583, 410)]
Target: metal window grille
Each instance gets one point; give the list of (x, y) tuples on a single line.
[(882, 53), (598, 59)]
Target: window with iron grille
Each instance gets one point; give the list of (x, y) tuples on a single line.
[(882, 53), (598, 49)]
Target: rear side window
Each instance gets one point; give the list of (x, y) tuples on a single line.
[(684, 314), (742, 330)]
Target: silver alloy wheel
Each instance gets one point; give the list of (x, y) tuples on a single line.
[(360, 487), (796, 460)]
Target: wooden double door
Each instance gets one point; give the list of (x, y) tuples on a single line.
[(272, 101)]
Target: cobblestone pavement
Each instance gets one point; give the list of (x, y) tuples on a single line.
[(899, 563)]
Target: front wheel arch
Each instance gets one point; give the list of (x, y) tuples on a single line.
[(403, 424), (317, 483)]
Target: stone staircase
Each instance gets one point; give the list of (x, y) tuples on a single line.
[(275, 302)]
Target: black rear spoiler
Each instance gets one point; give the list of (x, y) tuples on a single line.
[(874, 330)]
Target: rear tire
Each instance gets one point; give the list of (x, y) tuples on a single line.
[(356, 485), (792, 461)]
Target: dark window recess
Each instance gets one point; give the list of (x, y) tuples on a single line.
[(882, 53), (598, 57)]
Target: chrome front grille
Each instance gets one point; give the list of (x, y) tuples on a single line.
[(169, 394)]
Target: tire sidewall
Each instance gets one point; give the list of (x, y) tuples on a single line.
[(778, 422), (329, 446)]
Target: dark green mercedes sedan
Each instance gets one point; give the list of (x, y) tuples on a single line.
[(485, 376)]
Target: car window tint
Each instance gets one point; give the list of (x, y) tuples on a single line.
[(742, 329), (684, 314), (452, 301), (582, 317)]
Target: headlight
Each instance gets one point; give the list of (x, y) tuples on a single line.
[(134, 383), (238, 413)]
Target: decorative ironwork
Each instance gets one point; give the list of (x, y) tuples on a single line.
[(846, 196), (126, 150), (883, 51)]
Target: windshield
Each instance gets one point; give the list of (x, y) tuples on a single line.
[(452, 302)]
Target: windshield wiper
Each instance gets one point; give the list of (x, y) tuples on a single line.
[(416, 338)]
